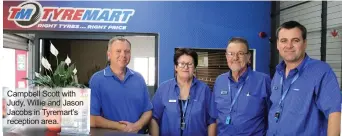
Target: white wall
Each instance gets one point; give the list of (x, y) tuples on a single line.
[(7, 69)]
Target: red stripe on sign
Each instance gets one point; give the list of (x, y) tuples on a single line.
[(20, 68)]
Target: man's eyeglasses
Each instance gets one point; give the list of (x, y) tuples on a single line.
[(239, 54), (182, 65)]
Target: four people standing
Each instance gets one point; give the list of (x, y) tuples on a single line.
[(303, 97)]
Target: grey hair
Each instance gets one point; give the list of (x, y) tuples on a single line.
[(239, 40), (119, 38)]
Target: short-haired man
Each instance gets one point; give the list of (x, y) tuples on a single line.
[(119, 96), (305, 97), (241, 95)]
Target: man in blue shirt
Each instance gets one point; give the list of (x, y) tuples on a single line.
[(305, 98), (119, 96), (241, 95)]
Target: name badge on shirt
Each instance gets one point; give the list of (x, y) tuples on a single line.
[(224, 92), (228, 120), (172, 100)]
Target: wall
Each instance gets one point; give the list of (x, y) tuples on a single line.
[(7, 69), (334, 44), (184, 24)]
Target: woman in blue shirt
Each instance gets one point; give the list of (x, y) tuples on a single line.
[(183, 106)]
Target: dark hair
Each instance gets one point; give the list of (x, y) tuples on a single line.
[(185, 51), (239, 40), (290, 25)]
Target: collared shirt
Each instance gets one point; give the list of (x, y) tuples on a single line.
[(310, 99), (118, 100), (249, 113), (198, 115)]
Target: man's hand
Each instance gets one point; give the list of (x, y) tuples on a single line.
[(131, 127), (122, 127)]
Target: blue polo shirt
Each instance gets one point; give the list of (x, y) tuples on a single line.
[(118, 100), (199, 112), (310, 99), (249, 113)]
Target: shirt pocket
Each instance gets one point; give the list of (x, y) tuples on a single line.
[(252, 104), (222, 101), (171, 106), (197, 107), (171, 118), (299, 99), (222, 107)]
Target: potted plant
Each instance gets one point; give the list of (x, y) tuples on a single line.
[(63, 76)]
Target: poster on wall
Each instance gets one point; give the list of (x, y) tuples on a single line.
[(21, 68), (21, 62)]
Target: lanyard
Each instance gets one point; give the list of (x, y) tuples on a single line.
[(236, 95), (183, 107), (287, 90)]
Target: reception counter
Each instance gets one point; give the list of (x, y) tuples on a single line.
[(93, 132)]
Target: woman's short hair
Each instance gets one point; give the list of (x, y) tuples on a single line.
[(185, 51)]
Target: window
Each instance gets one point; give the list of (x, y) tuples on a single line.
[(151, 71), (146, 67)]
